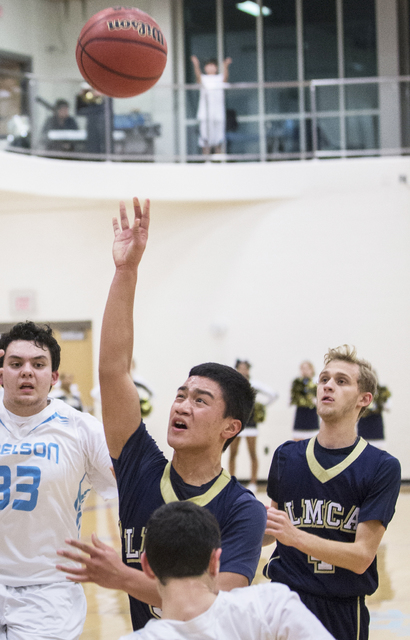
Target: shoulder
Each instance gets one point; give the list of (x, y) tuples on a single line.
[(382, 459), (241, 504)]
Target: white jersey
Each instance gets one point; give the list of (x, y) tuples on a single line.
[(211, 98), (48, 463), (261, 612)]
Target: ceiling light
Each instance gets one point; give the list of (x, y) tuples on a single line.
[(253, 8)]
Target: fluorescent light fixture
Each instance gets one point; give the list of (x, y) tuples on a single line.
[(253, 8)]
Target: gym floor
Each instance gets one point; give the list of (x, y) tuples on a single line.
[(108, 617)]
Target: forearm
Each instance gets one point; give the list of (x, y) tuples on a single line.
[(117, 326), (353, 556), (140, 586)]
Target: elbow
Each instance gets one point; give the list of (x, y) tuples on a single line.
[(362, 564)]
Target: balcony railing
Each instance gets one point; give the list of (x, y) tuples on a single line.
[(330, 118)]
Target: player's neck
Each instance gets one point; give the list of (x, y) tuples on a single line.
[(23, 411), (186, 598), (337, 436), (196, 468)]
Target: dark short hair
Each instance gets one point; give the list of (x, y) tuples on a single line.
[(61, 103), (179, 540), (238, 395), (42, 336)]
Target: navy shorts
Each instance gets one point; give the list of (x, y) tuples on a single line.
[(344, 618)]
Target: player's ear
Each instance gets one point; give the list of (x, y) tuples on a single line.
[(146, 567), (214, 562), (54, 377), (365, 399), (231, 428)]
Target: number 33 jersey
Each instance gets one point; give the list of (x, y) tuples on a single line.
[(48, 464)]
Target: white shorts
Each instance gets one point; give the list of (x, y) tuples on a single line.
[(211, 133), (53, 611)]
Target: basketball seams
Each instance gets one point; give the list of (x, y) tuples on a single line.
[(114, 71), (136, 43)]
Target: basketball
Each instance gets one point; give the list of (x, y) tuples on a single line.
[(121, 52)]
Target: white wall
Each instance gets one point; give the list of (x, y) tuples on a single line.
[(285, 259)]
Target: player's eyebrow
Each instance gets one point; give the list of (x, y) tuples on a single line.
[(198, 391), (338, 374), (16, 357)]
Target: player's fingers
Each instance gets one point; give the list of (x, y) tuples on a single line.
[(75, 571), (71, 555), (116, 226), (123, 216), (137, 208), (98, 543), (146, 214), (87, 548)]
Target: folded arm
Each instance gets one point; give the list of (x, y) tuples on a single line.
[(355, 556)]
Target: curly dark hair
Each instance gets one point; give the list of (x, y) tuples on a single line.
[(41, 335)]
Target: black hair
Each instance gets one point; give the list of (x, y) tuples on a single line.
[(245, 362), (179, 540), (60, 103), (238, 395), (42, 336), (211, 61)]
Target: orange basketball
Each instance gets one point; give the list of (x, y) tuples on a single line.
[(121, 52)]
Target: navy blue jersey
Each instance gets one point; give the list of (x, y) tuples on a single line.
[(330, 503), (145, 482)]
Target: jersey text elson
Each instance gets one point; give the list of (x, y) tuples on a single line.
[(40, 449)]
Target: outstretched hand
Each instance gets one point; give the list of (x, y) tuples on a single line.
[(101, 563), (130, 241)]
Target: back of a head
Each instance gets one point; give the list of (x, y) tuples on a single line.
[(180, 539), (367, 378), (238, 395), (41, 336)]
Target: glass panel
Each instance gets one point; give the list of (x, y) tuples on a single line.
[(282, 136), (240, 42), (359, 23), (279, 33), (244, 140), (282, 100), (328, 134), (327, 98), (193, 148), (362, 96), (243, 101), (362, 132), (320, 39), (200, 33)]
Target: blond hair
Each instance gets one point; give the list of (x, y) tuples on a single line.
[(367, 378)]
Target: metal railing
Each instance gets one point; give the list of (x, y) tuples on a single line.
[(322, 118)]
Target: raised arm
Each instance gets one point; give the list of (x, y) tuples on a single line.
[(119, 396), (197, 68), (226, 63)]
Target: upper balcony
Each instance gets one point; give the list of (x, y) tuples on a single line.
[(270, 121)]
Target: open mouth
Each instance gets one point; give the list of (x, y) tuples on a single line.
[(327, 399), (179, 425)]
